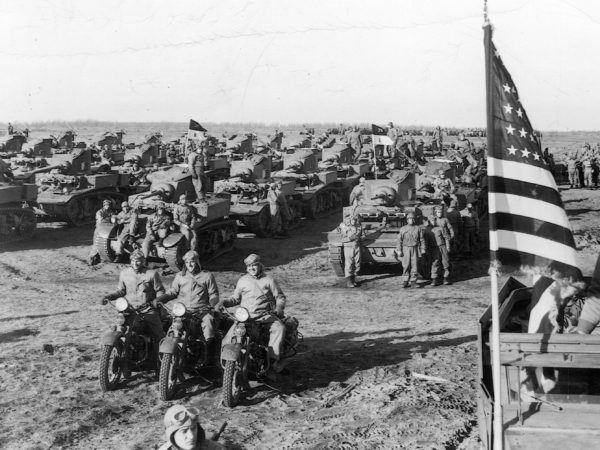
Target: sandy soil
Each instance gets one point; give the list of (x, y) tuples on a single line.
[(353, 382)]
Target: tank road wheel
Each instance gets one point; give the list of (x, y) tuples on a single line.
[(75, 214), (27, 223), (232, 388), (107, 254), (110, 367), (174, 255), (337, 260), (167, 379)]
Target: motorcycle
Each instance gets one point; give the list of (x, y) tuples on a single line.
[(127, 347), (184, 351), (247, 353)]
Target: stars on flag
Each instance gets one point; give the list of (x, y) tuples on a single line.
[(525, 153), (508, 108), (509, 129), (496, 53), (507, 88), (520, 113), (523, 133), (512, 150), (536, 156)]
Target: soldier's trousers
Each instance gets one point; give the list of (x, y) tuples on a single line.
[(587, 177), (440, 258), (351, 259), (410, 264), (152, 320), (275, 222), (200, 186), (207, 323), (470, 240), (574, 178), (276, 334)]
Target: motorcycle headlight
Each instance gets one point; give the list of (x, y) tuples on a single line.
[(120, 319), (255, 199), (65, 190), (241, 314), (121, 304), (179, 309)]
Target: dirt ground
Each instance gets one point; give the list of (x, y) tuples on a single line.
[(355, 381)]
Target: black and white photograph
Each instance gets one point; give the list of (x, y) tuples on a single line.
[(272, 224)]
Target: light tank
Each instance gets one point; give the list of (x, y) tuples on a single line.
[(17, 218), (215, 231), (12, 143), (248, 187), (69, 192), (321, 191)]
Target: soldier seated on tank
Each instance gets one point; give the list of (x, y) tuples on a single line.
[(157, 228), (185, 217), (357, 195), (128, 218), (137, 174)]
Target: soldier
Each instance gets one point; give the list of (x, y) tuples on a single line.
[(128, 217), (573, 172), (11, 130), (456, 222), (471, 230), (198, 291), (196, 162), (587, 172), (137, 175), (261, 295), (439, 220), (284, 209), (444, 188), (411, 244), (358, 193), (274, 209), (103, 215), (157, 228), (171, 155), (140, 285), (440, 251), (463, 145), (355, 141), (438, 139), (351, 232), (184, 216), (184, 432)]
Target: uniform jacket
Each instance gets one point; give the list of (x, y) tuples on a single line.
[(455, 220), (258, 295), (470, 220), (350, 233), (411, 236), (441, 236), (138, 288), (155, 222), (104, 216), (444, 224), (197, 291), (357, 194), (184, 214), (196, 163)]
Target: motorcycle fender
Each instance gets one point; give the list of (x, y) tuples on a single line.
[(231, 352), (172, 240), (106, 230), (111, 338), (168, 345)]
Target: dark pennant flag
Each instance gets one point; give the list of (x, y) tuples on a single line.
[(195, 130), (529, 228), (380, 136)]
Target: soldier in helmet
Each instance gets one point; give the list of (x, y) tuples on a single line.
[(184, 432), (440, 250), (456, 222), (275, 210), (351, 232), (128, 217), (439, 220), (471, 230), (196, 164), (358, 193), (411, 245), (157, 228), (444, 188), (197, 289), (284, 209), (103, 215), (184, 216), (573, 171)]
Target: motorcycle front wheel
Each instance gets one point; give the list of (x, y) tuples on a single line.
[(232, 388), (167, 379), (110, 367)]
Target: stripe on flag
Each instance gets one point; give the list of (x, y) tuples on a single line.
[(518, 171), (534, 245), (527, 207), (506, 221)]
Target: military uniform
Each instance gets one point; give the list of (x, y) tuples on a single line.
[(184, 216), (139, 288), (573, 172), (411, 245), (471, 230), (455, 220), (440, 252), (351, 234), (260, 296), (196, 165), (157, 227), (102, 216), (284, 210), (357, 195), (587, 173), (275, 210), (129, 220)]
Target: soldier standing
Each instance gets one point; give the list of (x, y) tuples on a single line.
[(184, 216), (351, 232), (355, 142), (573, 172), (587, 172), (196, 167), (358, 193), (157, 227), (440, 251), (103, 215), (456, 222), (471, 230), (274, 209), (411, 244), (284, 209), (128, 217)]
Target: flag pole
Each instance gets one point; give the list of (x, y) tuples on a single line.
[(498, 439)]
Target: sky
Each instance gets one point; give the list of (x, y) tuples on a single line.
[(414, 62)]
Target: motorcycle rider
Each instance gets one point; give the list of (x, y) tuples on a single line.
[(198, 291), (184, 432), (157, 227), (128, 217), (141, 285), (411, 245), (261, 295), (184, 216), (351, 233), (103, 215)]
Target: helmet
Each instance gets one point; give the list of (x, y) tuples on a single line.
[(137, 255), (410, 215), (192, 256), (362, 180), (106, 203), (438, 208), (453, 203), (469, 205), (124, 205), (177, 417), (252, 258)]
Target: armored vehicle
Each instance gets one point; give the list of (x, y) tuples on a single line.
[(69, 192), (248, 187), (17, 218), (12, 143), (340, 158), (321, 191), (215, 231), (569, 414)]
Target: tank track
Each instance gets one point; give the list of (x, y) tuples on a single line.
[(81, 209), (324, 202), (16, 224)]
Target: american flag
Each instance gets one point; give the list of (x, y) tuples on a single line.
[(529, 228)]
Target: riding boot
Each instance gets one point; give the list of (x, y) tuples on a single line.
[(353, 281), (209, 358), (349, 282)]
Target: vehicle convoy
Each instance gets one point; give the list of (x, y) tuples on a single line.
[(382, 213), (69, 192), (340, 157), (321, 191), (247, 356), (128, 347), (184, 351), (215, 231), (248, 187), (566, 416), (17, 218)]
